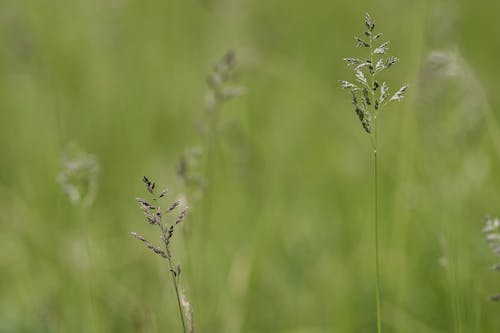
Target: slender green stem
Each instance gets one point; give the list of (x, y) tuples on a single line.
[(163, 229), (174, 280), (373, 138), (82, 217), (377, 263), (210, 151)]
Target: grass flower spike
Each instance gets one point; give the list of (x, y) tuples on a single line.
[(156, 216), (369, 95)]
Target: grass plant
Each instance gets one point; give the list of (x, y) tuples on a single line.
[(155, 215), (369, 97)]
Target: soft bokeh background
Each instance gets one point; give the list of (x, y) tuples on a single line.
[(289, 243)]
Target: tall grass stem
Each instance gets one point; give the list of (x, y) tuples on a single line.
[(377, 258), (173, 273), (177, 295)]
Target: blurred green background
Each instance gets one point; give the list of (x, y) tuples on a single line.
[(289, 243)]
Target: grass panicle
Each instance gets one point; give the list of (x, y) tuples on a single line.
[(369, 95), (195, 166), (157, 216), (79, 176), (221, 83), (222, 87)]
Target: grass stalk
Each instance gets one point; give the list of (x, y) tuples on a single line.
[(173, 271), (369, 97), (154, 216), (375, 196), (377, 257)]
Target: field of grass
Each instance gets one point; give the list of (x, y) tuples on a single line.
[(282, 238)]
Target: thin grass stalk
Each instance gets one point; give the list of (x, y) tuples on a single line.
[(173, 274), (178, 299), (377, 257), (375, 198), (154, 216), (369, 97), (210, 162)]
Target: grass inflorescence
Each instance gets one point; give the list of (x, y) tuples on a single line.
[(156, 216), (369, 96), (195, 167)]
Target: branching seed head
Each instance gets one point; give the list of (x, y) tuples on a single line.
[(366, 88)]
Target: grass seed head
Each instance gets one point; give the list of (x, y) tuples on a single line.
[(367, 86)]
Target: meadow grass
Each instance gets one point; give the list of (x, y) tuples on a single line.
[(156, 216), (369, 97), (125, 79)]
